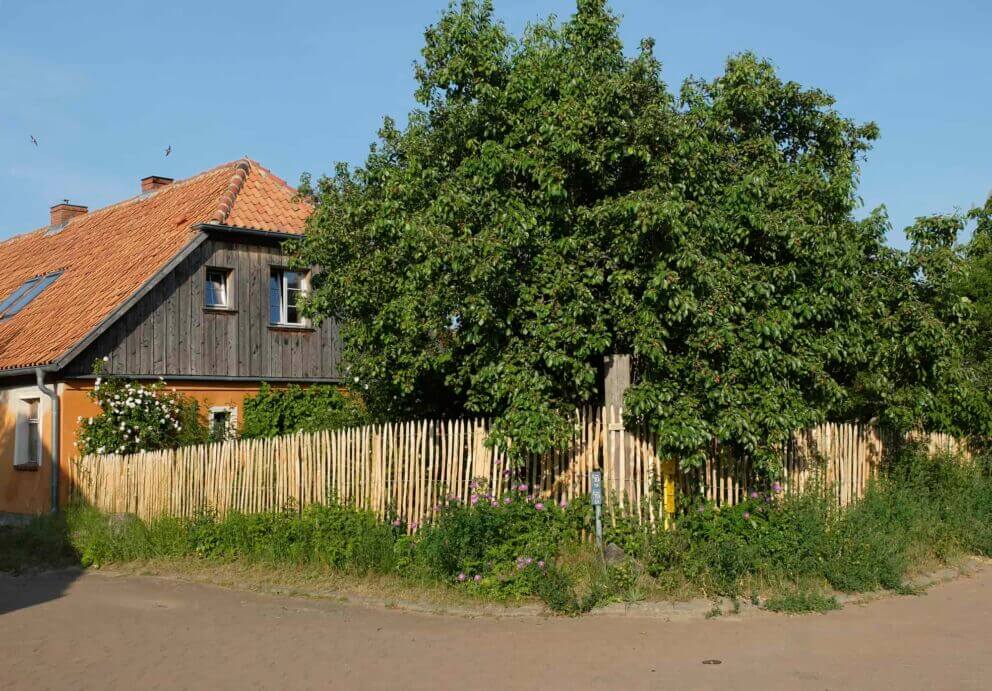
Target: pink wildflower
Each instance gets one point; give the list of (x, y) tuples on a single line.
[(506, 500), (539, 506), (522, 488), (461, 578), (478, 577)]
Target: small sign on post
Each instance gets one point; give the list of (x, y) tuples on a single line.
[(596, 497)]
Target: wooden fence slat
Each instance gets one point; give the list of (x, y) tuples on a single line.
[(409, 467)]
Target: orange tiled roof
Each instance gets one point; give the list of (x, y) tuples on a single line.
[(108, 254)]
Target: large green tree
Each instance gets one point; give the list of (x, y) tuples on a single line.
[(550, 202), (922, 369)]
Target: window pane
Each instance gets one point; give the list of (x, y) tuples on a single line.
[(292, 306), (34, 288), (215, 289), (34, 443), (32, 408), (210, 291), (275, 296), (293, 281), (219, 423), (24, 287)]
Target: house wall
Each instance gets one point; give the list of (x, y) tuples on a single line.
[(77, 404), (169, 332), (29, 491), (23, 491)]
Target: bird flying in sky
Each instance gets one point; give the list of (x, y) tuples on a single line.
[(168, 150), (34, 141)]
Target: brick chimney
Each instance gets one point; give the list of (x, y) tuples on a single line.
[(65, 212), (155, 182)]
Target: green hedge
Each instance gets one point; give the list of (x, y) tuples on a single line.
[(272, 412)]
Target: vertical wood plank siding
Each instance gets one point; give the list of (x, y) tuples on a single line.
[(170, 334)]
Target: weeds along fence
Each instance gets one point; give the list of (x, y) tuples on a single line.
[(840, 457), (404, 469)]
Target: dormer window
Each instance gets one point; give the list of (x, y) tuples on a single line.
[(25, 293), (217, 289)]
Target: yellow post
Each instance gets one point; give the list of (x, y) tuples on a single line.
[(668, 470)]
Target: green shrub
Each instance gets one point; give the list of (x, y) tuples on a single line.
[(493, 538), (139, 417), (923, 508), (272, 412), (511, 548)]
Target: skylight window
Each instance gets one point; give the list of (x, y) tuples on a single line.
[(28, 291)]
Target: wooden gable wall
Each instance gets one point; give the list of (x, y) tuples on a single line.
[(169, 333)]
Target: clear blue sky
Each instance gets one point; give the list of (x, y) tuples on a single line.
[(106, 86)]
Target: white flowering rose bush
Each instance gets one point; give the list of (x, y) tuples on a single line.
[(139, 417)]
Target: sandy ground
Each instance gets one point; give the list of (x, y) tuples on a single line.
[(101, 632)]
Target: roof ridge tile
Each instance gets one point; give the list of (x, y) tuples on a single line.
[(241, 170)]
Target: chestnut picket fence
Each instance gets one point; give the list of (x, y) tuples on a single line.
[(404, 469)]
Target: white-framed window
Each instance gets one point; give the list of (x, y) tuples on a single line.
[(217, 288), (223, 422), (27, 444), (286, 287)]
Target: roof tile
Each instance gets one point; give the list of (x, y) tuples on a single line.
[(108, 254)]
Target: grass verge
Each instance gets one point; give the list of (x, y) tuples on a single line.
[(793, 552)]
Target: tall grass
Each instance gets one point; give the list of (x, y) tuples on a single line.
[(332, 536), (923, 510)]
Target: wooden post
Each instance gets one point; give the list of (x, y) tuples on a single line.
[(616, 381)]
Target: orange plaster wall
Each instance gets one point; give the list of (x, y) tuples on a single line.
[(29, 491), (76, 404), (23, 491)]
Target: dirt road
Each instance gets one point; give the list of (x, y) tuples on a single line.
[(101, 632)]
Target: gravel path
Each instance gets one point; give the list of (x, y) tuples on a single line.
[(93, 631)]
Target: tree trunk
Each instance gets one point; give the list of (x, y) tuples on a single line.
[(616, 381)]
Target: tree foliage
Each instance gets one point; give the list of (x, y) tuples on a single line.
[(921, 370), (550, 201)]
